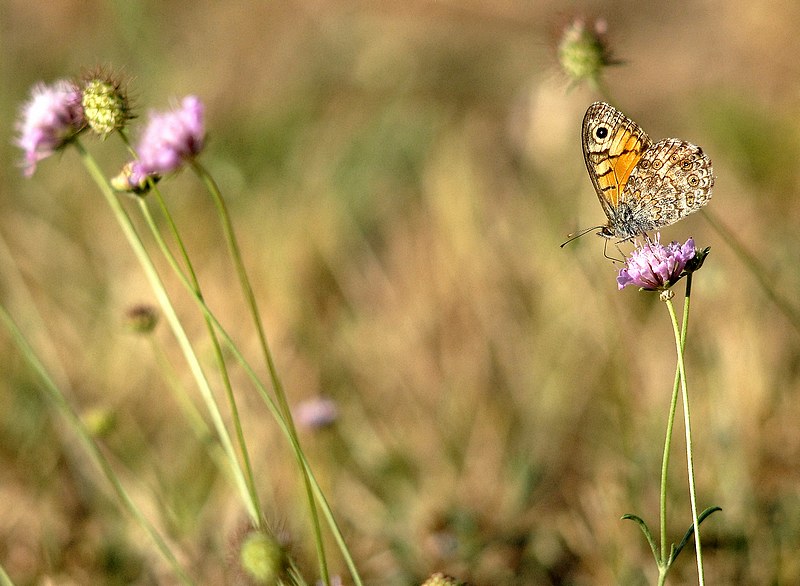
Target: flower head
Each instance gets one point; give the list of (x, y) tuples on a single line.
[(655, 267), (50, 119), (583, 51), (170, 139), (317, 413), (105, 103)]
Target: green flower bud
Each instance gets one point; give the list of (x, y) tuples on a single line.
[(262, 558), (582, 51)]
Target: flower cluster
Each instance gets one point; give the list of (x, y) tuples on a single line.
[(50, 119), (56, 113), (655, 267)]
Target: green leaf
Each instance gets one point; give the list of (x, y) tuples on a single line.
[(700, 518), (646, 530)]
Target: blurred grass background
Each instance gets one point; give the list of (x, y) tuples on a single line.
[(401, 175)]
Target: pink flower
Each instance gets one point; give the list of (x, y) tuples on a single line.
[(317, 413), (653, 266), (170, 139), (50, 119)]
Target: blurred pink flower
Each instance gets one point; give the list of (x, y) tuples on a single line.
[(170, 139), (50, 119), (317, 413)]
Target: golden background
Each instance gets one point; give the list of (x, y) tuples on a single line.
[(401, 175)]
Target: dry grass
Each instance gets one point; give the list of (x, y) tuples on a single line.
[(401, 175)]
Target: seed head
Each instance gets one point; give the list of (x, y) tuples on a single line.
[(105, 104)]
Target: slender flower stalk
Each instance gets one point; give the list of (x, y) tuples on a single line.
[(655, 267), (170, 141), (218, 354), (197, 130), (277, 385), (680, 337), (157, 285), (670, 423), (274, 410)]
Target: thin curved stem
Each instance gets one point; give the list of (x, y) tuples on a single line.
[(280, 394), (218, 355), (680, 337), (664, 557), (160, 292), (55, 394), (273, 408), (670, 424), (191, 275)]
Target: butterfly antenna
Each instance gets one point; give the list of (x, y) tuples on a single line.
[(576, 235)]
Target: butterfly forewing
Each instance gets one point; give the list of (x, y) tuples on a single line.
[(612, 146)]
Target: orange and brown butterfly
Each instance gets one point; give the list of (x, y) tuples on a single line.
[(641, 185)]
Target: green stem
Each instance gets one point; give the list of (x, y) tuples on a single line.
[(280, 394), (663, 562), (89, 444), (668, 440), (160, 292), (273, 408), (679, 343), (218, 355)]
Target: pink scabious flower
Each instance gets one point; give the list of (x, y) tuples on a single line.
[(50, 119), (317, 413), (653, 266), (170, 139)]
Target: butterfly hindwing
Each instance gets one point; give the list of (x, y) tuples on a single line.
[(673, 179)]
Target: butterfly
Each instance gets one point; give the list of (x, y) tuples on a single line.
[(641, 185)]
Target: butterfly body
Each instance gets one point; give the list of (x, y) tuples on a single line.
[(641, 185)]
